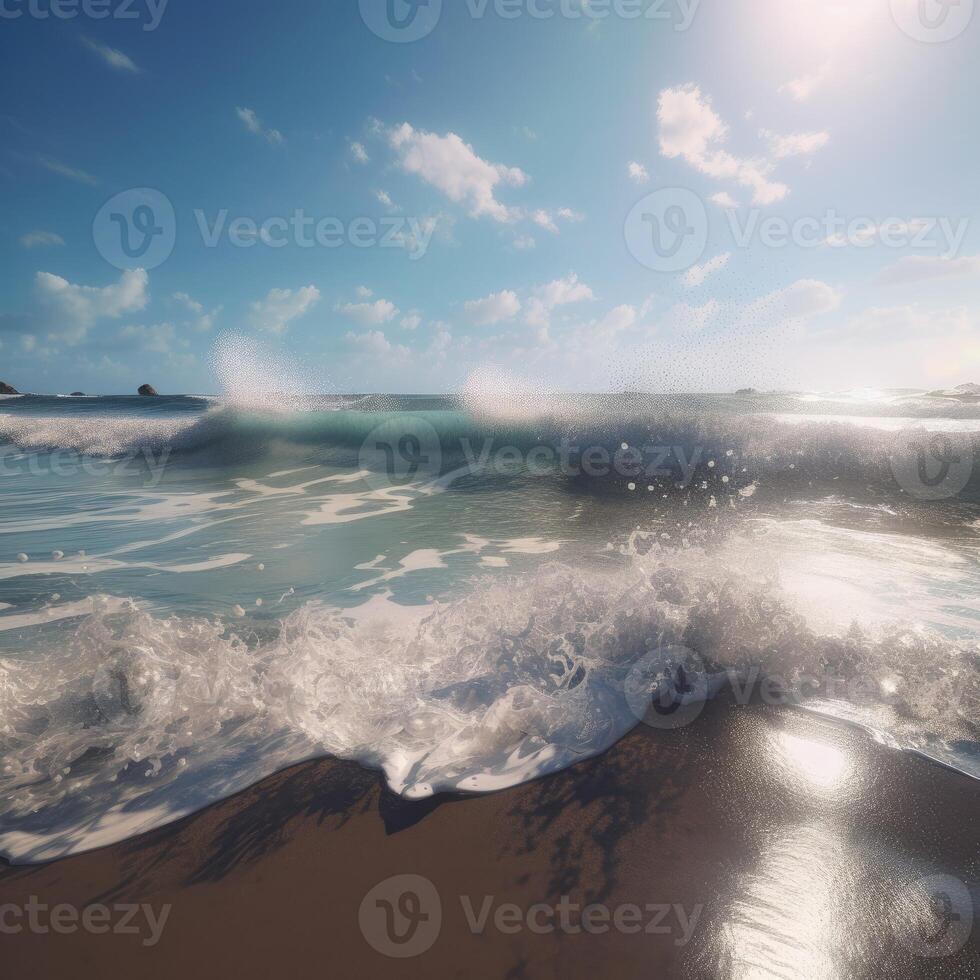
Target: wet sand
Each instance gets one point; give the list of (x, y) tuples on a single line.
[(755, 842)]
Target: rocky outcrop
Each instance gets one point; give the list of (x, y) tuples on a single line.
[(747, 391), (966, 393), (5, 389), (77, 394), (148, 391)]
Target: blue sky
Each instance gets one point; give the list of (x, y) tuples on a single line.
[(489, 173)]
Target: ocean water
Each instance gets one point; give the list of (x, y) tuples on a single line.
[(462, 592)]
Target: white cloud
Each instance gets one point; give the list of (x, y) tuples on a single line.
[(385, 198), (63, 170), (800, 301), (524, 243), (692, 130), (112, 57), (638, 172), (411, 322), (451, 165), (494, 308), (919, 268), (369, 314), (803, 87), (78, 307), (35, 239), (544, 220), (363, 292), (795, 145), (724, 200), (204, 321), (282, 306), (375, 342), (546, 298), (697, 274), (358, 152), (254, 125)]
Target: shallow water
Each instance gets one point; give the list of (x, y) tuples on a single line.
[(464, 593)]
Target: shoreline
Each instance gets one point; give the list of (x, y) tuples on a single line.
[(749, 809)]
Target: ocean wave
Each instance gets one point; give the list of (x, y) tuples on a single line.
[(136, 719)]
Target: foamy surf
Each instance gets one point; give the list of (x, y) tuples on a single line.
[(262, 589)]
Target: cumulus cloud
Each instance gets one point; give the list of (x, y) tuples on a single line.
[(359, 154), (691, 130), (254, 125), (697, 274), (546, 298), (638, 173), (493, 309), (37, 239), (453, 167), (524, 243), (796, 144), (369, 314), (724, 200), (78, 307), (376, 343), (203, 320), (411, 322), (113, 58), (919, 268), (282, 306)]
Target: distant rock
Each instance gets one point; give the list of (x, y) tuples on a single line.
[(148, 391), (77, 394), (747, 391), (5, 389), (967, 392)]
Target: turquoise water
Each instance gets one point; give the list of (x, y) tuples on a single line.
[(463, 593)]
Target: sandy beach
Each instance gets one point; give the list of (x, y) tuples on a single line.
[(757, 842)]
